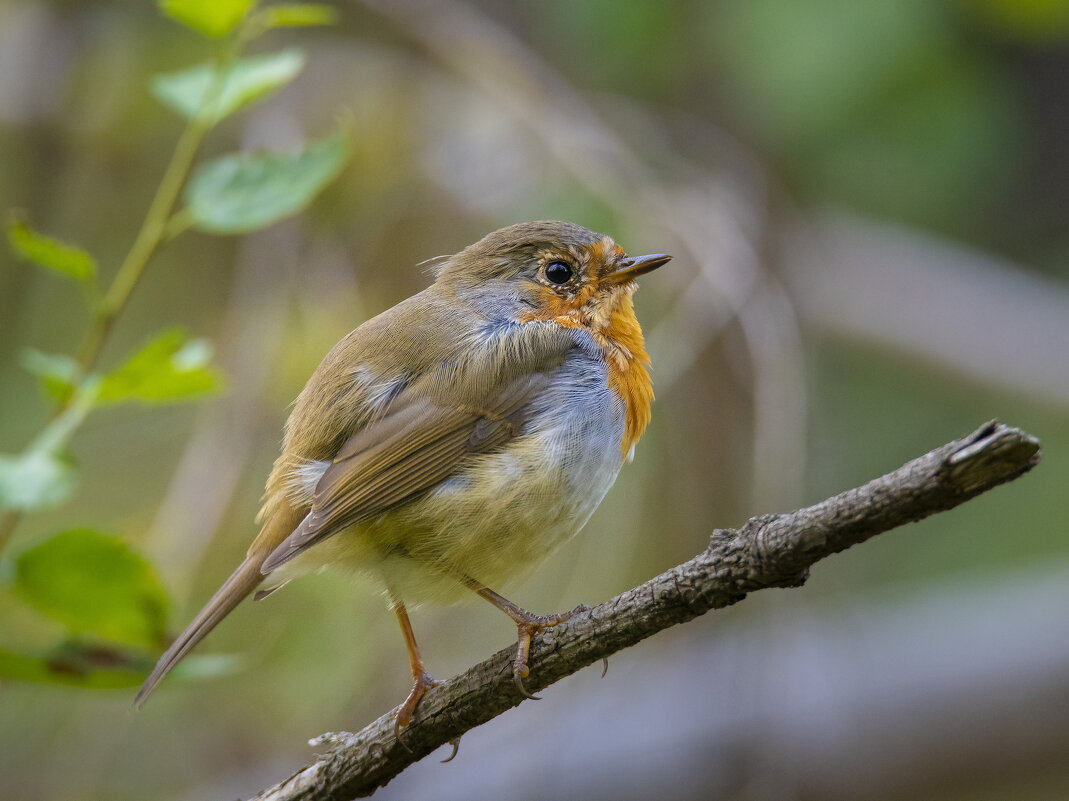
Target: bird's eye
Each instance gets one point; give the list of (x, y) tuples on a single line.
[(558, 272)]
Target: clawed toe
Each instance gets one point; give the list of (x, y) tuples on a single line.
[(527, 625)]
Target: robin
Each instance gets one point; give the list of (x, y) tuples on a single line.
[(449, 444)]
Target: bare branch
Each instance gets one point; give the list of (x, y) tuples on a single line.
[(768, 551)]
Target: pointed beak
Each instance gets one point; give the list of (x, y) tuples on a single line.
[(631, 267)]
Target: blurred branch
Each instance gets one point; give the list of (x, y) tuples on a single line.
[(965, 311), (768, 551)]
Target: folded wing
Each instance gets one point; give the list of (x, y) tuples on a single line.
[(415, 445)]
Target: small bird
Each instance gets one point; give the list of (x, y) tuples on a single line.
[(449, 444)]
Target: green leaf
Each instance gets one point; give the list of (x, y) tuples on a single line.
[(97, 667), (35, 479), (248, 80), (169, 368), (52, 254), (210, 17), (296, 15), (57, 371), (94, 583), (247, 191), (78, 665)]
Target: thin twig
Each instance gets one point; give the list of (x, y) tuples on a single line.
[(768, 551)]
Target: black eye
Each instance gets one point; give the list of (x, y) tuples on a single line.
[(558, 272)]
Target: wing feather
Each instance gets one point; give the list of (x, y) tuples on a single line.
[(415, 445)]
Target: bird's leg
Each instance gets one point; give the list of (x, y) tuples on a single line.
[(421, 679), (527, 625)]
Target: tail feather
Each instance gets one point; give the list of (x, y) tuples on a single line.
[(241, 582)]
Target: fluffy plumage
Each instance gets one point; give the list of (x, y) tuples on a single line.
[(457, 438)]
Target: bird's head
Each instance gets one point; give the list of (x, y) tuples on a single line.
[(550, 270)]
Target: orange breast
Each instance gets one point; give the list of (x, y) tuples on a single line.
[(611, 320), (629, 375)]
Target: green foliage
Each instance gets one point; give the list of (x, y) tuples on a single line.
[(44, 473), (103, 667), (913, 126), (76, 664), (67, 260), (168, 368), (234, 194), (246, 191), (90, 657), (94, 583), (248, 80), (36, 478), (213, 18), (58, 372), (106, 595), (298, 15)]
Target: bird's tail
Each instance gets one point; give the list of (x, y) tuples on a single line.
[(241, 582)]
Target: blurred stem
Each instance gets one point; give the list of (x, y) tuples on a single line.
[(148, 240), (158, 227), (178, 224)]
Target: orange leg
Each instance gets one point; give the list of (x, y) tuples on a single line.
[(527, 625), (421, 679)]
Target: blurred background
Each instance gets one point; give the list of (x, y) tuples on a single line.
[(867, 205)]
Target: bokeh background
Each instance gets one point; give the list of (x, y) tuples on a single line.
[(867, 205)]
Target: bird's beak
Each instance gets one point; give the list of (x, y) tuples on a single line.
[(629, 268)]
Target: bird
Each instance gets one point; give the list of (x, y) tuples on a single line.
[(451, 443)]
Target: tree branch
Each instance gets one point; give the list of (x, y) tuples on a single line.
[(768, 551)]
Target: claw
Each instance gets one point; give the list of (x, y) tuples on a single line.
[(456, 747), (517, 679), (604, 666)]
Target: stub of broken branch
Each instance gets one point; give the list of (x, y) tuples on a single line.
[(768, 551)]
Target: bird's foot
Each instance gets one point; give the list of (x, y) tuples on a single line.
[(527, 625)]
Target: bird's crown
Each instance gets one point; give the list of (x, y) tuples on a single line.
[(561, 256)]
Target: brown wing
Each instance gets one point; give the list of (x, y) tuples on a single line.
[(416, 445)]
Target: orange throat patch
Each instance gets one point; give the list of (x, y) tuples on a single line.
[(629, 369), (610, 319)]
